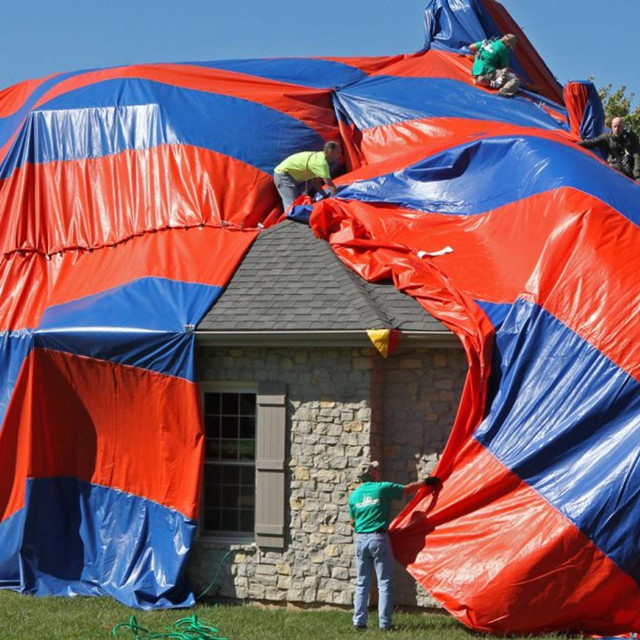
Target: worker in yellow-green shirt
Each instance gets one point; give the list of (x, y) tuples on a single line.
[(305, 171)]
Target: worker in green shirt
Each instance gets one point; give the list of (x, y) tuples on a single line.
[(369, 507), (491, 65), (306, 170)]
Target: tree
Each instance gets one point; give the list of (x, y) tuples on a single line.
[(619, 104)]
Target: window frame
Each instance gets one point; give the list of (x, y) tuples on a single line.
[(227, 536)]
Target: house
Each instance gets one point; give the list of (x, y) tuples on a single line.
[(295, 395)]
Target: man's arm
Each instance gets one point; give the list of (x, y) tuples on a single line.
[(598, 141), (635, 153), (317, 184), (636, 166), (431, 482)]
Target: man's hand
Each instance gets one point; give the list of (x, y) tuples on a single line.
[(434, 482)]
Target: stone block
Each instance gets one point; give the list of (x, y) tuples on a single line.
[(344, 597), (296, 503), (440, 360), (283, 568), (301, 473), (275, 595), (284, 582), (361, 364), (257, 591), (325, 596), (340, 573)]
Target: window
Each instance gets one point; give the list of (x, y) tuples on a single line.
[(229, 463), (244, 473)]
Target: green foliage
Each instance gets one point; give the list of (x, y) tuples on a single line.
[(619, 103), (80, 618)]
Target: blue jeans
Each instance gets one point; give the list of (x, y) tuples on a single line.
[(373, 550)]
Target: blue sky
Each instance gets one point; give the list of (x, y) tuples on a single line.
[(577, 38)]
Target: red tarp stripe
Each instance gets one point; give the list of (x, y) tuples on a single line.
[(185, 255), (576, 97), (371, 66), (490, 563), (13, 98), (509, 258), (387, 146), (424, 64), (53, 206), (61, 422)]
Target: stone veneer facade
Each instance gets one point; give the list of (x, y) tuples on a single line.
[(343, 405)]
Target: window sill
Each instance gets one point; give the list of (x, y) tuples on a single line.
[(222, 542)]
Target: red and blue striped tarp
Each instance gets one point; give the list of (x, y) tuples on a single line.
[(130, 195)]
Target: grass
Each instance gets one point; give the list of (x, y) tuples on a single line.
[(27, 617)]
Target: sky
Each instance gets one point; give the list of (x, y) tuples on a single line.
[(576, 38)]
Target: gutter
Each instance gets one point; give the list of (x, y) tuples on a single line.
[(358, 339)]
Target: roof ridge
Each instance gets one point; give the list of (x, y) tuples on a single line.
[(366, 292)]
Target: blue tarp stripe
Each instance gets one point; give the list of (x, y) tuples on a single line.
[(460, 181), (144, 323), (93, 521), (450, 30), (412, 98), (14, 348), (10, 544), (496, 311), (85, 124), (562, 421), (305, 72)]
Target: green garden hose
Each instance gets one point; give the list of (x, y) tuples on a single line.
[(189, 628)]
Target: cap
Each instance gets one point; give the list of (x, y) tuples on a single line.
[(364, 470)]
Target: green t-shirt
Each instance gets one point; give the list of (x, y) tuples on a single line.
[(305, 165), (491, 56), (370, 503)]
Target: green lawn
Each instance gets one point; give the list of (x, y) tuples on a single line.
[(26, 617)]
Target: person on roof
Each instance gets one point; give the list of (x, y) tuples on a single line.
[(305, 172), (621, 146), (369, 506), (491, 65)]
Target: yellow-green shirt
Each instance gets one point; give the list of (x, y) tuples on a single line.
[(305, 165)]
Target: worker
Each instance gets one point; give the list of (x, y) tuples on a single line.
[(491, 65), (369, 507), (621, 147), (306, 172)]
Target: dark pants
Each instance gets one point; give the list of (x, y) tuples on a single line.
[(502, 79)]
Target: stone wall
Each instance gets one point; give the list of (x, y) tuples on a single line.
[(343, 405), (420, 393)]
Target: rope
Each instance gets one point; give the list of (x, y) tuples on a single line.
[(184, 629)]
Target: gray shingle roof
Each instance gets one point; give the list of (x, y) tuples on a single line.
[(292, 281)]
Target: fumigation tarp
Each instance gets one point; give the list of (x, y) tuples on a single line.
[(129, 196)]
